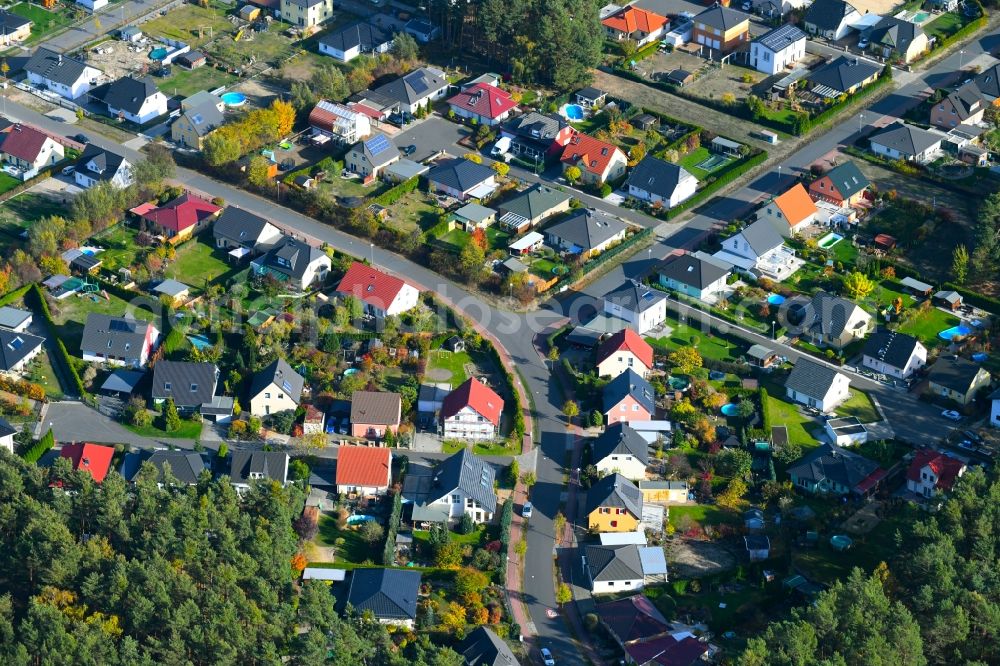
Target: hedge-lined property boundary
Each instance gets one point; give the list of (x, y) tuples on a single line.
[(63, 357), (724, 178)]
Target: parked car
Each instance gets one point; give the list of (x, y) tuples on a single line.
[(501, 147), (951, 415), (863, 43), (547, 657), (972, 436), (68, 171), (526, 510), (409, 150), (81, 138)]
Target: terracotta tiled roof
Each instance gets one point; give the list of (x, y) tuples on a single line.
[(795, 204), (946, 468), (182, 213), (626, 340), (363, 466), (89, 457), (484, 100), (588, 153), (632, 19), (370, 285), (476, 395)]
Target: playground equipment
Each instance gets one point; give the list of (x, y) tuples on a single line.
[(239, 34)]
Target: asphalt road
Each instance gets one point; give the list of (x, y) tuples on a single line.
[(109, 18)]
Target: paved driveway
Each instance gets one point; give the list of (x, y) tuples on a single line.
[(74, 422), (430, 136)]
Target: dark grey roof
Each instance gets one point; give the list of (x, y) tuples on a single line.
[(832, 463), (894, 349), (827, 314), (281, 375), (414, 87), (828, 14), (375, 407), (189, 384), (245, 466), (587, 228), (534, 202), (127, 93), (894, 33), (105, 163), (378, 149), (460, 174), (988, 81), (611, 563), (55, 67), (122, 337), (634, 296), (122, 381), (956, 374), (484, 648), (757, 542), (967, 101), (905, 138), (619, 438), (13, 317), (11, 22), (692, 270), (390, 594), (614, 490), (290, 257), (721, 18), (204, 117), (811, 378), (590, 92), (469, 473), (762, 237), (844, 73), (239, 225), (781, 37), (185, 466), (542, 127), (15, 347), (6, 429), (848, 179), (657, 176), (629, 383), (362, 34)]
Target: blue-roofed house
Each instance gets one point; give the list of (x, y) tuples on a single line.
[(390, 594), (369, 157)]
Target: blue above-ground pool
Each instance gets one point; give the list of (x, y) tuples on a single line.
[(158, 53), (959, 331), (573, 111), (200, 341), (357, 519), (730, 409), (775, 299), (841, 541), (233, 99), (979, 357), (350, 371)]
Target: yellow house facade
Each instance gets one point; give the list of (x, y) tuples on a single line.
[(306, 13), (614, 504)]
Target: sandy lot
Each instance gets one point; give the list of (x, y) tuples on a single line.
[(696, 559), (123, 59), (877, 6)]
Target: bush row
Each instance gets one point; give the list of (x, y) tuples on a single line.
[(389, 551), (397, 192), (517, 428), (725, 177), (39, 448), (807, 123), (63, 357), (506, 518)]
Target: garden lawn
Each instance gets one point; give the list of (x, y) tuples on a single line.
[(454, 363), (945, 25), (7, 182), (476, 537), (188, 430), (500, 448), (708, 345), (703, 514), (727, 610), (191, 24), (266, 47), (197, 264), (786, 414), (544, 267), (925, 324), (120, 248), (185, 82), (455, 240), (860, 406), (44, 21), (355, 549), (70, 315), (696, 157), (47, 377), (413, 213)]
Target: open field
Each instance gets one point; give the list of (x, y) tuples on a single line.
[(192, 24), (19, 213), (860, 406)]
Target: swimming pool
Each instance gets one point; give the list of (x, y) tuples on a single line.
[(959, 331), (572, 111), (233, 99), (775, 299), (678, 383), (841, 541), (350, 371), (830, 240), (200, 341), (730, 409), (357, 519), (159, 53), (979, 357)]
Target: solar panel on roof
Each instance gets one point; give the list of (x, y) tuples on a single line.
[(286, 386), (378, 144)]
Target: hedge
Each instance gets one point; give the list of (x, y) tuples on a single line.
[(811, 122), (506, 517), (389, 551), (765, 411), (604, 257), (397, 192), (550, 340), (722, 179), (518, 426), (63, 357), (35, 453), (15, 295)]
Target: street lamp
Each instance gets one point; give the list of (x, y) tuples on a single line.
[(861, 118), (372, 246), (772, 330), (961, 58)]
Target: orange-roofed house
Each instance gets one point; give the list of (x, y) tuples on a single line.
[(365, 470), (623, 351), (483, 103), (638, 24), (598, 160), (87, 457), (471, 412), (380, 293), (931, 472), (179, 219), (790, 212)]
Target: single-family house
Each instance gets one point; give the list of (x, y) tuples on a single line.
[(462, 179), (613, 568), (644, 308), (932, 472), (390, 595), (633, 619), (343, 124), (381, 294), (7, 432), (893, 354), (200, 115), (15, 319), (189, 384), (628, 397), (964, 106), (844, 185), (364, 470), (14, 29), (482, 647), (697, 275), (831, 470), (118, 340), (640, 25), (459, 485), (844, 75), (590, 97), (471, 412), (721, 28), (374, 413), (832, 321), (61, 74), (247, 466), (240, 230), (777, 50), (17, 350), (422, 30), (472, 216), (598, 161), (682, 649), (614, 504), (894, 38), (185, 466), (483, 103), (369, 157), (758, 249), (347, 43), (276, 388), (831, 19), (624, 350), (790, 212), (621, 450), (88, 457), (988, 83), (293, 263), (817, 385), (99, 165), (903, 141), (408, 93), (137, 100), (957, 379), (306, 13), (587, 231), (660, 183), (25, 151), (537, 136), (531, 207), (180, 218)]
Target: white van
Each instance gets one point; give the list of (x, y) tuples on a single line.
[(501, 147)]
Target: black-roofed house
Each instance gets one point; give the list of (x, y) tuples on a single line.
[(614, 504), (620, 449), (14, 29), (7, 432), (632, 619), (482, 647), (833, 321), (903, 141), (390, 595), (778, 49), (369, 157), (844, 185), (276, 388), (137, 100), (590, 97), (531, 207), (61, 74), (535, 136), (721, 28), (894, 354), (185, 466), (422, 30), (696, 275), (988, 83), (406, 94), (964, 106), (238, 229), (246, 467), (628, 397), (587, 232), (642, 307), (347, 43), (462, 179), (613, 568), (123, 341), (17, 350), (831, 19), (660, 183), (459, 485), (831, 470), (844, 75), (817, 385), (188, 383), (293, 263), (957, 379), (893, 38), (97, 165)]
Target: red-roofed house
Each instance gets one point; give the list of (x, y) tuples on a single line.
[(623, 351), (486, 104), (365, 470), (88, 457), (471, 412), (932, 471), (178, 219), (29, 150), (382, 294), (666, 651), (598, 161), (636, 24)]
